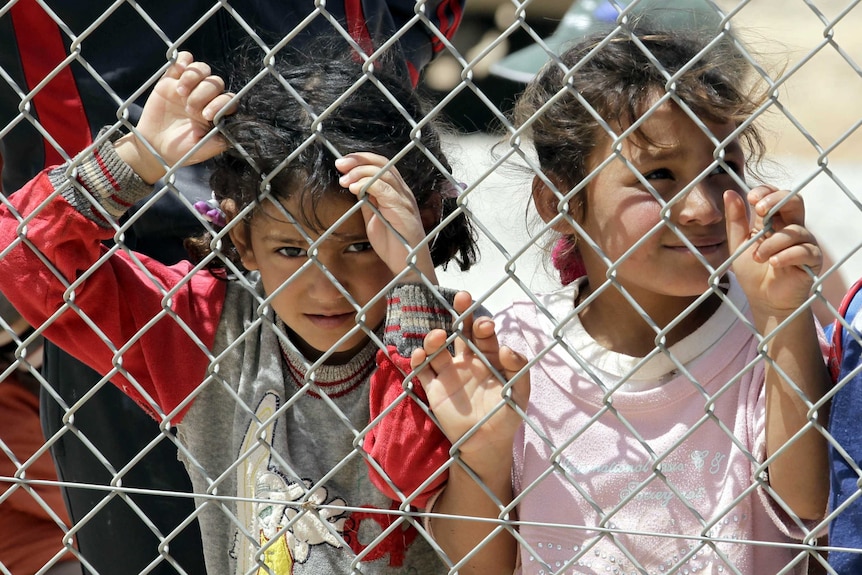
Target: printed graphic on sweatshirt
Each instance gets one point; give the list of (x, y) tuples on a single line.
[(291, 522), (287, 533)]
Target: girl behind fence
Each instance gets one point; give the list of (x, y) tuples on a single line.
[(265, 375), (657, 437)]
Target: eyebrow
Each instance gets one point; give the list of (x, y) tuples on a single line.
[(282, 237), (651, 153), (349, 237)]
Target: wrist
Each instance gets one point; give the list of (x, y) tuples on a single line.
[(494, 472), (420, 267), (139, 158), (109, 180), (416, 277), (767, 320)]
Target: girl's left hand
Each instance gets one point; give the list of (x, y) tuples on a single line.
[(771, 270), (394, 203)]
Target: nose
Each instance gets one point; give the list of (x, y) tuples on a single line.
[(702, 205), (323, 278)]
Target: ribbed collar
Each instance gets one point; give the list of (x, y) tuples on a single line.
[(333, 380)]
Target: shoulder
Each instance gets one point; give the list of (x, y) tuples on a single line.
[(527, 313), (242, 308), (526, 325)]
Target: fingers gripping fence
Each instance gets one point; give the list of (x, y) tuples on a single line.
[(256, 410)]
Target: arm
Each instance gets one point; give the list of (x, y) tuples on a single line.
[(409, 446), (61, 242), (463, 392), (406, 443), (53, 229), (771, 271)]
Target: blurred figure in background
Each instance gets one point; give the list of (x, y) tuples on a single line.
[(30, 530)]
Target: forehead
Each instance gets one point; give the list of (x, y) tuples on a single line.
[(329, 212), (668, 130)]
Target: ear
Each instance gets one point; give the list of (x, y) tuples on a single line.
[(240, 235), (547, 202)]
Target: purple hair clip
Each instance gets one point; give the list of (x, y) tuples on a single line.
[(454, 190), (211, 212)]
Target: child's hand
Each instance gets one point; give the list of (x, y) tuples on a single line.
[(177, 116), (396, 203), (462, 390), (771, 270)]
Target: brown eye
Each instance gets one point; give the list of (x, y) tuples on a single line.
[(660, 174), (292, 252), (359, 247)]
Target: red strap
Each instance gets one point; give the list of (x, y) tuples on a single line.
[(357, 25), (58, 104), (449, 15), (837, 348)]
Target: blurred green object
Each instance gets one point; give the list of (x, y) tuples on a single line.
[(587, 16)]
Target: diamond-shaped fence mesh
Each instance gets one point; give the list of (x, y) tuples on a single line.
[(263, 398)]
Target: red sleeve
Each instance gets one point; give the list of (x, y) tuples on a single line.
[(406, 442), (146, 326)]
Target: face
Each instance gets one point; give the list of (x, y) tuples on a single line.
[(621, 211), (308, 301)]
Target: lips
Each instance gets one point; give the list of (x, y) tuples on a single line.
[(703, 245), (331, 321)]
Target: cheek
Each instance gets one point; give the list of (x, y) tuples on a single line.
[(287, 295), (368, 289), (374, 314), (276, 271), (617, 230)]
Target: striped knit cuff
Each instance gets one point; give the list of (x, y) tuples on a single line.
[(104, 177), (414, 310)]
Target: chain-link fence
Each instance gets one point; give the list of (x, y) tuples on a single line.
[(225, 429)]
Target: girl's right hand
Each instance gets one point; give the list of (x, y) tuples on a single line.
[(462, 390), (177, 116)]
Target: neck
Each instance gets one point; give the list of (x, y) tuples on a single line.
[(615, 324), (336, 358)]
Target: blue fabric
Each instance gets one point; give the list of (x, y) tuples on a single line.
[(846, 529)]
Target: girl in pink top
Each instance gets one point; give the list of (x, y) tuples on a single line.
[(672, 422)]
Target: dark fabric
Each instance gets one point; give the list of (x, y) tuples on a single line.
[(111, 430), (846, 529)]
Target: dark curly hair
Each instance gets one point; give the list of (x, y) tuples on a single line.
[(314, 106)]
